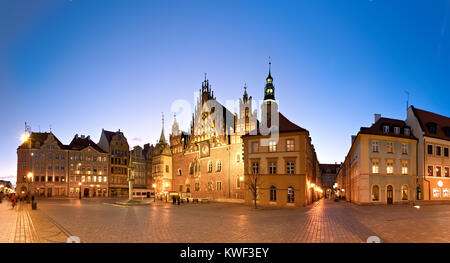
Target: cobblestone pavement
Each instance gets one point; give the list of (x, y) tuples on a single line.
[(324, 221), (23, 225)]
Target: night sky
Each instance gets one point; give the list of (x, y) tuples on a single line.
[(81, 66)]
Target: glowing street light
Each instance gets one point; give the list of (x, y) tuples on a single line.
[(24, 137)]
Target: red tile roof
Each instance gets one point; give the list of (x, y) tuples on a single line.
[(441, 123), (377, 128), (39, 138), (284, 125), (79, 143)]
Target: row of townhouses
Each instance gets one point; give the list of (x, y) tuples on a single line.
[(48, 168), (223, 156), (398, 161)]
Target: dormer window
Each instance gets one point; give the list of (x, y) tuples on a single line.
[(431, 127), (447, 131), (407, 131), (397, 130), (385, 128)]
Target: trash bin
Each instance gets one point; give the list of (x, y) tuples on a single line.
[(34, 206)]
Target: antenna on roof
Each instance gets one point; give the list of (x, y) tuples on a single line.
[(50, 127)]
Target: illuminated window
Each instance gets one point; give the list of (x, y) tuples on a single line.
[(375, 167), (389, 167), (404, 167), (83, 178), (436, 193), (430, 170), (290, 145), (272, 146), (446, 172), (272, 168), (290, 195), (385, 128), (438, 171), (375, 193), (446, 193), (210, 186), (219, 186)]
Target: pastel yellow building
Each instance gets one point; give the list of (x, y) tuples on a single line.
[(281, 168), (380, 167)]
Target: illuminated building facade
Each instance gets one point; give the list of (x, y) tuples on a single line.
[(116, 145), (433, 160), (42, 166), (380, 167), (88, 168)]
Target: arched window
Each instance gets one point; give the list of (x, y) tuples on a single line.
[(404, 192), (273, 193), (179, 172), (375, 193), (219, 166), (290, 194), (210, 167)]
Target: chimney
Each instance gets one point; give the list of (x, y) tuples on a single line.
[(377, 117), (353, 138)]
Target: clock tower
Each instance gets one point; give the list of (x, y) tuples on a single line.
[(269, 104)]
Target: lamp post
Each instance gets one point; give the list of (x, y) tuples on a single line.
[(130, 183), (79, 192), (29, 178)]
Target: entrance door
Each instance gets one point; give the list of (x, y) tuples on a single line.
[(49, 192), (86, 192), (390, 195)]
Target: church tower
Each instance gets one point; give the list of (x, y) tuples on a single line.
[(269, 104)]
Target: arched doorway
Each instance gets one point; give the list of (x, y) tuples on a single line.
[(390, 195)]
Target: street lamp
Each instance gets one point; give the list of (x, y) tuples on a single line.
[(79, 186)]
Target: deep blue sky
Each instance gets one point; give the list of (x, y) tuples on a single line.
[(84, 65)]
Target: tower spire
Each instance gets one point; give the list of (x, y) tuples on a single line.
[(162, 138), (269, 90)]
